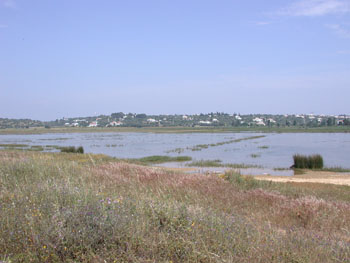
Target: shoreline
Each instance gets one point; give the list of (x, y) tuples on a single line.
[(42, 130)]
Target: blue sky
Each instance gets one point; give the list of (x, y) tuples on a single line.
[(83, 57)]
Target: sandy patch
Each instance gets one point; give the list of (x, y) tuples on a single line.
[(311, 177), (323, 177)]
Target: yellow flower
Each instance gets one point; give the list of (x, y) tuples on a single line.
[(44, 246)]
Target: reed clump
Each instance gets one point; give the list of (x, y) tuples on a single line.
[(308, 161), (72, 149)]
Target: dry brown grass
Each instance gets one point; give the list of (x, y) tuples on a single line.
[(87, 208)]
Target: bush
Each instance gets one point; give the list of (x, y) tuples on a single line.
[(308, 162), (72, 149), (244, 182), (80, 149)]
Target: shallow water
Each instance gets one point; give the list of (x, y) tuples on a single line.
[(221, 170), (334, 147)]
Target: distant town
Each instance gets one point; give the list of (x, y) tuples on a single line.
[(217, 119)]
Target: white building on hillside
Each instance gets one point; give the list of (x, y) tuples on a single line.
[(115, 123), (93, 124)]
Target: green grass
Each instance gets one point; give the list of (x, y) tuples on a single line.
[(65, 207), (206, 163), (156, 159), (218, 163), (255, 155), (264, 147), (13, 145), (55, 139), (281, 169), (298, 171), (38, 148), (324, 169), (53, 147), (200, 147), (26, 147), (334, 169), (205, 146)]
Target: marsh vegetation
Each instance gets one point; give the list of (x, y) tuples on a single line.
[(255, 155), (264, 147), (67, 207), (72, 149), (308, 162), (157, 159), (218, 163), (227, 147), (200, 147)]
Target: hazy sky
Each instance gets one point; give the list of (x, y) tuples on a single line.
[(84, 57)]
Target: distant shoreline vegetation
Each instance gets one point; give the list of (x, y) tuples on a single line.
[(41, 130), (218, 120)]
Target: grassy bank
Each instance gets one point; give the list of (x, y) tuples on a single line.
[(66, 207), (42, 130)]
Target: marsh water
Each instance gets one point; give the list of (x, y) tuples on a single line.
[(271, 151)]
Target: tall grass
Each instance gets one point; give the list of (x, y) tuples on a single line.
[(308, 162), (90, 208)]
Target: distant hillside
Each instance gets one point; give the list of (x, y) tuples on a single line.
[(217, 119), (19, 123)]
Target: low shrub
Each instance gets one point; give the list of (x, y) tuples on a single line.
[(80, 149), (308, 162), (244, 182)]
